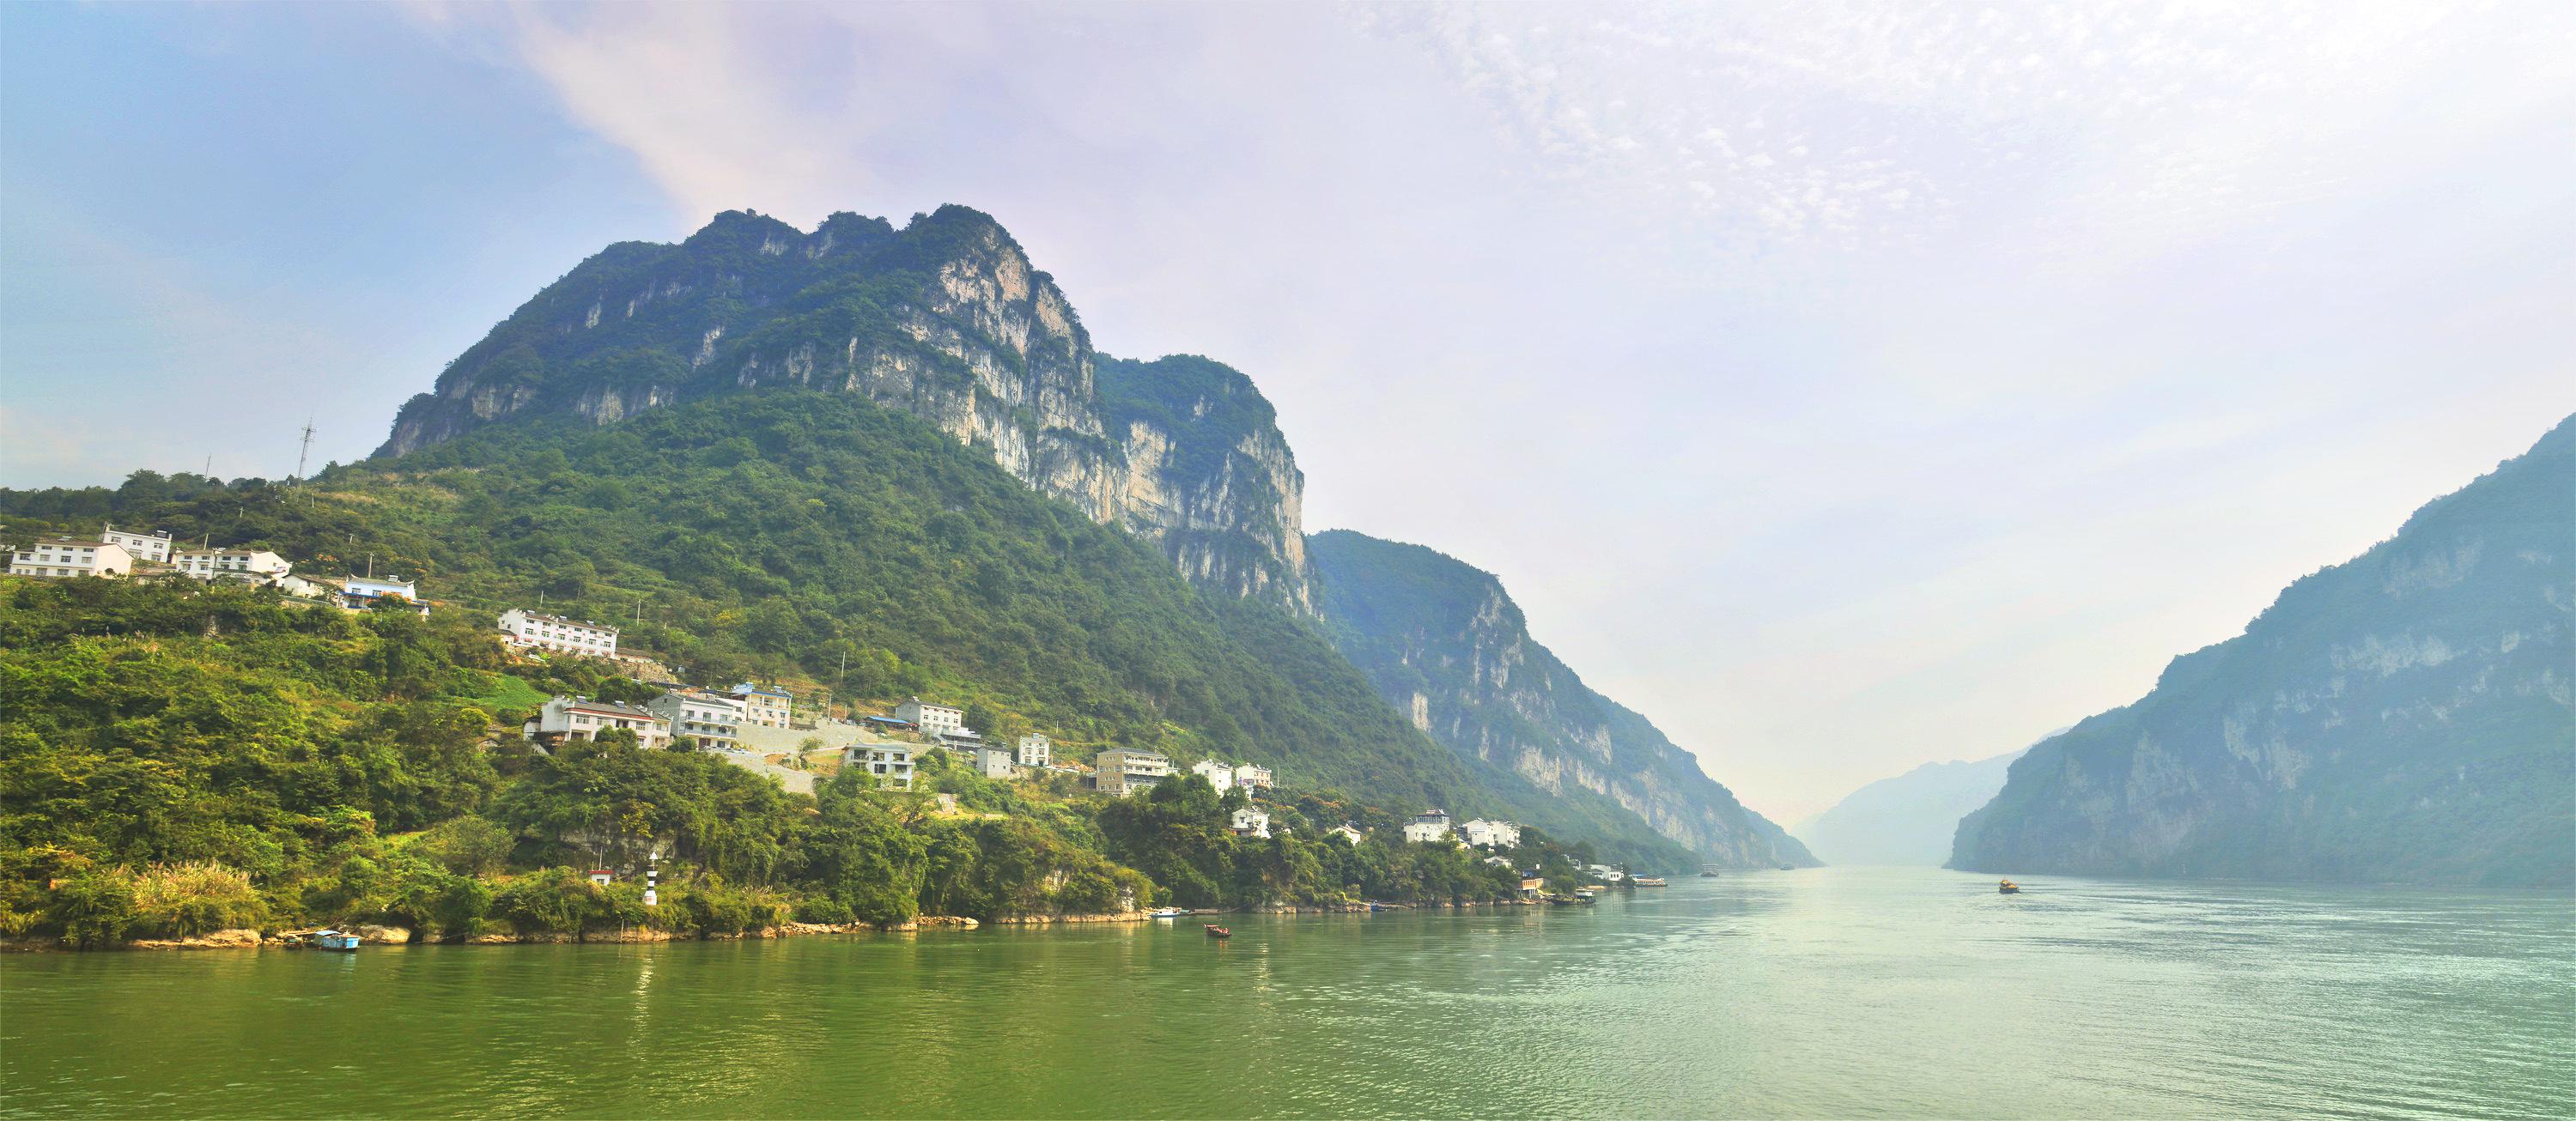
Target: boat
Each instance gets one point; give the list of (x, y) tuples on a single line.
[(1788, 868), (1215, 931), (1708, 871), (1166, 913), (2008, 888), (334, 940), (1647, 881)]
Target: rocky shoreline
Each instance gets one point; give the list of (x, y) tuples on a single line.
[(372, 934)]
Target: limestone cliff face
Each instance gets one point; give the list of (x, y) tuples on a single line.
[(1446, 645), (2407, 716), (946, 319)]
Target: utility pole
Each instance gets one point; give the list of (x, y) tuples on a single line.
[(301, 453), (371, 564)]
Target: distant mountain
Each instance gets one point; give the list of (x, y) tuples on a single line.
[(2406, 716), (1908, 819), (944, 318), (1444, 644)]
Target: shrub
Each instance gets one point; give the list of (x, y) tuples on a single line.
[(94, 907), (186, 900), (467, 846)]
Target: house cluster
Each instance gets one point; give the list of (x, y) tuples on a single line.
[(131, 553), (682, 716), (1226, 776), (1434, 826)]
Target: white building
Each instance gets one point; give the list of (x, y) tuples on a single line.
[(1034, 750), (1432, 826), (891, 763), (1608, 874), (363, 593), (700, 719), (581, 718), (1497, 834), (559, 634), (1347, 831), (64, 556), (1252, 778), (258, 566), (1251, 821), (932, 719), (1218, 774), (993, 762), (142, 545), (1126, 770), (766, 706)]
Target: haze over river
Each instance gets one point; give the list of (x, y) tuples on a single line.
[(1835, 992)]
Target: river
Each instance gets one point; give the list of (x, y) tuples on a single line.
[(1833, 992)]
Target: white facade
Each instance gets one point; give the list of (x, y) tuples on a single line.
[(930, 718), (1123, 771), (891, 763), (1499, 834), (763, 706), (1251, 777), (1347, 832), (360, 593), (582, 719), (64, 556), (256, 565), (142, 545), (701, 720), (993, 762), (554, 632), (1433, 826), (1251, 822), (1034, 750), (1218, 774)]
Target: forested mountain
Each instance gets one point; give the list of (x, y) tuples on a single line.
[(1443, 643), (1909, 818), (2406, 716), (946, 319)]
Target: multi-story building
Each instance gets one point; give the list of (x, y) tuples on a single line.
[(559, 634), (993, 762), (698, 718), (891, 763), (581, 718), (366, 593), (932, 719), (142, 545), (1497, 834), (1251, 821), (766, 706), (1252, 778), (1217, 773), (1348, 831), (1034, 750), (1432, 826), (65, 556), (1126, 770), (257, 566)]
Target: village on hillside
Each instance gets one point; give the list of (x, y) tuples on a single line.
[(759, 727)]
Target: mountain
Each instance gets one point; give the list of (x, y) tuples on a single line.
[(2406, 716), (1908, 819), (1441, 641), (944, 318)]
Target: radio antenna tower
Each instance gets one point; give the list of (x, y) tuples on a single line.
[(302, 453)]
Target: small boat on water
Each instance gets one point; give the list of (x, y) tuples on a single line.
[(1647, 881), (2008, 888), (1708, 871), (1166, 913), (335, 941), (1215, 931)]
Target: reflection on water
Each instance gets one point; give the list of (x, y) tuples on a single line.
[(1838, 992)]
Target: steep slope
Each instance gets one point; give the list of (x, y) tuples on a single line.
[(945, 318), (1442, 642), (1908, 819), (2407, 716), (1209, 474)]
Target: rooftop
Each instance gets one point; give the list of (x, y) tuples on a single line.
[(534, 617)]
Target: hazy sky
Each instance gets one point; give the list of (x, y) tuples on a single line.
[(1843, 386)]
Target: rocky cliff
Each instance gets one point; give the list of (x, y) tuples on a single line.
[(1444, 643), (945, 318), (2407, 716)]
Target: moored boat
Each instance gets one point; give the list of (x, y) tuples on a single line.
[(1215, 931), (335, 940), (1167, 913), (1647, 881)]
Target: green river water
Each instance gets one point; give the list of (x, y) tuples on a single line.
[(1829, 993)]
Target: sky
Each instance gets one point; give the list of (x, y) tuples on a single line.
[(1843, 386)]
